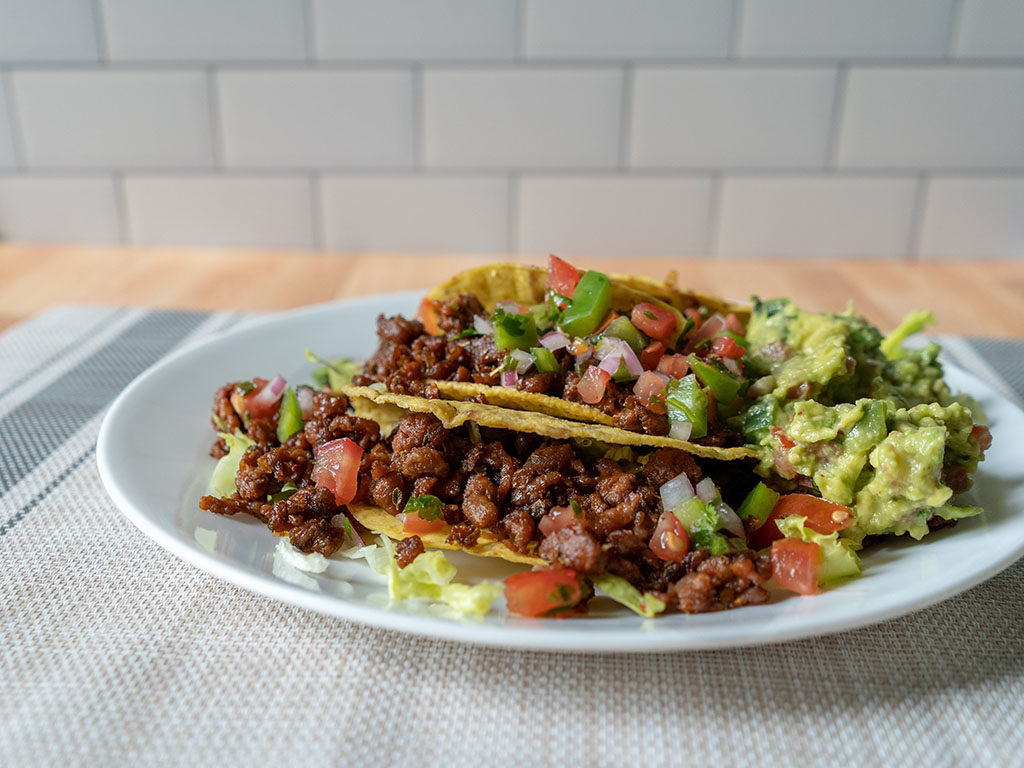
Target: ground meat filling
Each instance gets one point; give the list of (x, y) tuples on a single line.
[(505, 484), (408, 356)]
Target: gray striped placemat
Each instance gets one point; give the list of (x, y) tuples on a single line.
[(114, 652)]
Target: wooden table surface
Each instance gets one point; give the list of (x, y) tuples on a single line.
[(975, 298)]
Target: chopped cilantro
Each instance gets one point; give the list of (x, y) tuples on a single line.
[(427, 507)]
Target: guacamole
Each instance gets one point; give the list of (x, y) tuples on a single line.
[(833, 403)]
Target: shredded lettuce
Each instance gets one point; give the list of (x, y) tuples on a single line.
[(311, 563), (621, 591), (838, 560), (333, 373), (222, 481), (892, 344)]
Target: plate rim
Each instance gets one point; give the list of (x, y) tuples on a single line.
[(516, 636)]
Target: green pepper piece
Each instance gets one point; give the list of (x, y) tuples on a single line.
[(590, 303), (544, 359), (759, 418), (870, 430), (686, 401), (513, 331), (621, 328), (759, 504), (290, 415), (723, 385)]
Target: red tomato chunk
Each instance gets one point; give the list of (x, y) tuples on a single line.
[(562, 276), (795, 565), (670, 540), (413, 523), (724, 346), (592, 385), (337, 468), (657, 322), (543, 593)]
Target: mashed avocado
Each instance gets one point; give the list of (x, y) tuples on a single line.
[(873, 425)]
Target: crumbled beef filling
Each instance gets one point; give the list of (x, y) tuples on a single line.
[(505, 485), (408, 550), (407, 357)]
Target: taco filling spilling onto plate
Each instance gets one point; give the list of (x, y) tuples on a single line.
[(673, 451)]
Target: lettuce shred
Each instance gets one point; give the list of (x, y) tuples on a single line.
[(222, 481), (621, 591), (892, 344)]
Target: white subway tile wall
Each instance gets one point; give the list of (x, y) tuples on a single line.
[(758, 128)]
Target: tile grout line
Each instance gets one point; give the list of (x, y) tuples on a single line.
[(99, 23), (836, 118), (309, 30), (418, 118), (735, 23), (626, 116), (711, 234), (917, 212), (519, 42), (214, 117), (13, 121), (512, 243), (316, 211)]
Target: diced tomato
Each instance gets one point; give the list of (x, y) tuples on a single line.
[(726, 346), (652, 354), (543, 593), (656, 322), (337, 468), (982, 436), (670, 540), (413, 523), (562, 276), (256, 406), (822, 515), (650, 385), (693, 314), (593, 384), (557, 519), (426, 315), (675, 366), (795, 565), (783, 438), (733, 324)]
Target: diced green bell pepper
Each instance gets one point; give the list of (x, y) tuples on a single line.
[(544, 359), (759, 504), (289, 415), (723, 385), (513, 331), (621, 328), (686, 401), (590, 303), (759, 418)]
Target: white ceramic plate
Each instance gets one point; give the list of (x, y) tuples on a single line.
[(152, 455)]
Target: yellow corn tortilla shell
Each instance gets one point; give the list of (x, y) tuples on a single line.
[(487, 545), (508, 397), (455, 413), (667, 291)]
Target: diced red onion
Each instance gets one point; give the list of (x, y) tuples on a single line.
[(482, 325), (509, 378), (680, 430), (554, 340), (708, 330), (582, 357), (762, 386), (729, 519), (612, 347), (676, 492), (611, 364), (524, 360), (508, 307), (338, 521), (271, 393), (706, 490), (732, 366), (305, 398)]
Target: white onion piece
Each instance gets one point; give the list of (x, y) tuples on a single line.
[(676, 492), (680, 430), (582, 357), (554, 340), (706, 490), (509, 378), (271, 393), (708, 329), (508, 307), (731, 365), (305, 397), (482, 325), (524, 360), (612, 347), (355, 540), (729, 520)]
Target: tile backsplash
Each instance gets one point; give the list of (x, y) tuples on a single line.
[(731, 128)]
